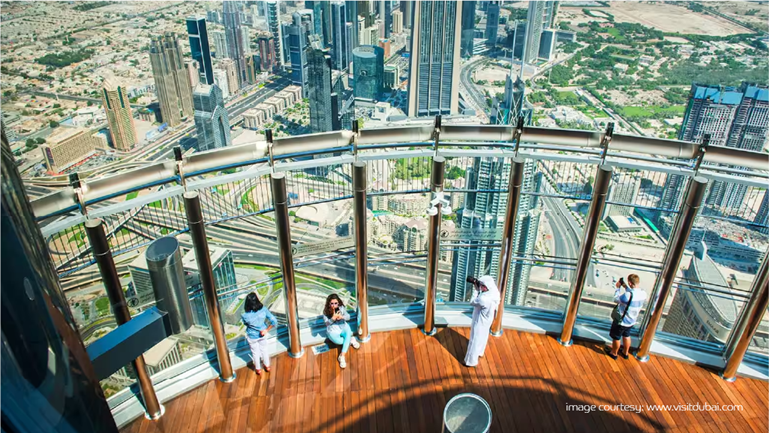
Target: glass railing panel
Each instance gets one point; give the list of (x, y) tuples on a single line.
[(402, 175), (722, 256), (397, 240), (323, 238), (235, 199), (760, 342), (704, 317), (319, 184)]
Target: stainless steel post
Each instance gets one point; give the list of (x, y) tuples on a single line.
[(433, 246), (515, 185), (203, 256), (280, 205), (361, 248), (748, 324), (673, 253), (94, 229), (597, 205)]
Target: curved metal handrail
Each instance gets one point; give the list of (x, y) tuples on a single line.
[(164, 172)]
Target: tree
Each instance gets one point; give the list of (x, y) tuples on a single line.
[(587, 189), (40, 140), (30, 143), (53, 124)]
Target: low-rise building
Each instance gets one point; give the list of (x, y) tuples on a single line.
[(69, 146)]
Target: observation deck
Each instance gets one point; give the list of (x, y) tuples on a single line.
[(399, 218), (401, 380)]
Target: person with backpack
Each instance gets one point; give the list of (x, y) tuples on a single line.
[(630, 299)]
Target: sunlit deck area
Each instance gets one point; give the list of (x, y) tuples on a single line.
[(401, 380)]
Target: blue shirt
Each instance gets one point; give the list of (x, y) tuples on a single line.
[(639, 297), (256, 321)]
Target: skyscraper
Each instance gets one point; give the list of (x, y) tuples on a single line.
[(231, 70), (211, 120), (267, 53), (322, 118), (733, 117), (225, 281), (385, 14), (397, 22), (486, 211), (220, 43), (624, 189), (434, 73), (368, 69), (201, 51), (534, 26), (551, 11), (468, 28), (407, 8), (171, 82), (119, 117), (492, 24), (220, 79), (297, 51), (232, 30), (339, 41), (352, 19), (273, 24), (193, 72)]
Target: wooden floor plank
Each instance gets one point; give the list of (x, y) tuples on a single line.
[(402, 380)]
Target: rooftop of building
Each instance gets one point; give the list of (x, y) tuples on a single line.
[(158, 352), (63, 133), (190, 264)]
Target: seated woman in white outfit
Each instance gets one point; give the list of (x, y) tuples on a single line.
[(337, 328)]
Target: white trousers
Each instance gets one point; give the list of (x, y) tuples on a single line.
[(259, 351)]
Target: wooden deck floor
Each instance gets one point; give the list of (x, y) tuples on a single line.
[(400, 382)]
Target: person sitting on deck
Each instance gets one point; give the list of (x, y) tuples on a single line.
[(337, 329)]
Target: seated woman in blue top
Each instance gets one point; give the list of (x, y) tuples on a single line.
[(337, 328), (255, 318)]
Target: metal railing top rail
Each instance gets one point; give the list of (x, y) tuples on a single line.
[(163, 172)]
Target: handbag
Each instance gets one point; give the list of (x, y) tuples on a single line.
[(619, 318)]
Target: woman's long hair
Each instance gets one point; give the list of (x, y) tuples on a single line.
[(253, 303), (327, 310)]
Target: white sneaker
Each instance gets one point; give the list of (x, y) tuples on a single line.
[(342, 361), (354, 343)]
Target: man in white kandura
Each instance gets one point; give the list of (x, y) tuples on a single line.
[(485, 302)]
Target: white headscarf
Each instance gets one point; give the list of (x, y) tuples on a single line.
[(493, 293)]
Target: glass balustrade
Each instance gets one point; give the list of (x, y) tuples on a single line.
[(712, 286)]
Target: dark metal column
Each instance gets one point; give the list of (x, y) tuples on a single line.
[(514, 187), (433, 246), (675, 250), (361, 248), (749, 321), (48, 381), (280, 204), (203, 257), (94, 228), (590, 232)]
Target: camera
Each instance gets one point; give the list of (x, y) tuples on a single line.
[(476, 282), (622, 282)]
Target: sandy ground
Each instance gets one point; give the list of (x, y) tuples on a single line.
[(670, 18), (652, 97), (738, 9), (663, 17)]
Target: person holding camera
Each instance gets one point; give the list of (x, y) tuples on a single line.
[(485, 302), (256, 319), (630, 299), (337, 328)]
